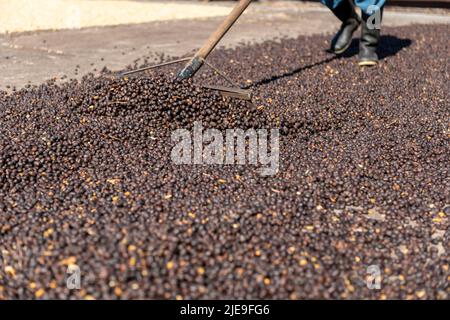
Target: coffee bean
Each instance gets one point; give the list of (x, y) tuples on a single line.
[(87, 180)]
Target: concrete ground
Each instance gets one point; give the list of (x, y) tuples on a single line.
[(32, 57)]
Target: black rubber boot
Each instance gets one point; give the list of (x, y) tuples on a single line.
[(345, 12), (368, 43)]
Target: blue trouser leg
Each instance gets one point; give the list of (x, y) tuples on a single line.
[(332, 4), (363, 4)]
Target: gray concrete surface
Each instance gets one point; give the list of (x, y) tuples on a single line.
[(26, 15), (31, 58)]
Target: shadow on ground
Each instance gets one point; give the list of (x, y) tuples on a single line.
[(389, 46)]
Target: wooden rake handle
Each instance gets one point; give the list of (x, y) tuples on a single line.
[(197, 61)]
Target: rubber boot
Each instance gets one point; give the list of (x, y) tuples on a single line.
[(345, 12), (368, 43)]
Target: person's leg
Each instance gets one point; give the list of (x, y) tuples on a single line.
[(372, 12), (344, 10)]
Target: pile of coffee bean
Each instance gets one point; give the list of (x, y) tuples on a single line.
[(358, 209)]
